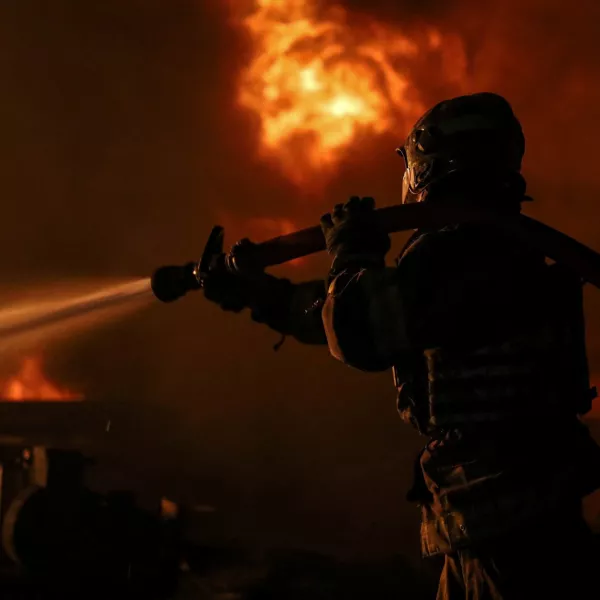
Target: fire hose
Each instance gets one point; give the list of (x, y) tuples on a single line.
[(172, 282)]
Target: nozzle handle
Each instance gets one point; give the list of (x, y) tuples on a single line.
[(213, 251)]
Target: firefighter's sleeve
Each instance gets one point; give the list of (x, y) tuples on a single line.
[(363, 318), (292, 309)]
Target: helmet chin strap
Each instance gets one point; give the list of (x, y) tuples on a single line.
[(405, 189), (408, 196)]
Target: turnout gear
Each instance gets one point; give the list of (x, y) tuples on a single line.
[(290, 309), (487, 345), (563, 564), (506, 380), (489, 354)]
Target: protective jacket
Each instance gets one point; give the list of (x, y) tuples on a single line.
[(488, 349), (487, 345)]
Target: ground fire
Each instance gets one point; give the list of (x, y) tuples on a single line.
[(317, 79), (30, 383)]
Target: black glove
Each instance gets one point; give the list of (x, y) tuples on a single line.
[(230, 280), (353, 235), (235, 282)]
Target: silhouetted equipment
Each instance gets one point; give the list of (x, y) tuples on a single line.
[(170, 283), (78, 543)]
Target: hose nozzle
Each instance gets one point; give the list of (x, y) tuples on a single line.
[(171, 283)]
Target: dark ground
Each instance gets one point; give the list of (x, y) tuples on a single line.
[(226, 574)]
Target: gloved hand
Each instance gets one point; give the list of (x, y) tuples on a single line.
[(234, 282), (353, 234), (230, 280)]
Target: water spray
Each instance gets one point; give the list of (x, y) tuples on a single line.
[(22, 319)]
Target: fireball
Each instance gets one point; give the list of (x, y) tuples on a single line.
[(317, 81)]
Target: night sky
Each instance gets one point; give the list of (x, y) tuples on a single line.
[(122, 144)]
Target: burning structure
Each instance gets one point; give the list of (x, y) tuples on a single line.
[(31, 384), (70, 540), (35, 410), (35, 413)]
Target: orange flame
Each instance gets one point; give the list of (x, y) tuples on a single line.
[(30, 383), (317, 81)]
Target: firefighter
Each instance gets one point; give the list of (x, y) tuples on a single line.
[(487, 346)]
